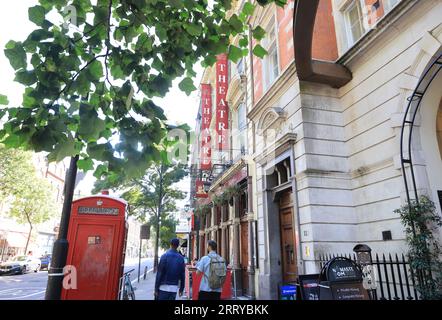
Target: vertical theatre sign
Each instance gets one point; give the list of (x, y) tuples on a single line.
[(222, 110), (206, 118)]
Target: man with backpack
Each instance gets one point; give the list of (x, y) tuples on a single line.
[(213, 268)]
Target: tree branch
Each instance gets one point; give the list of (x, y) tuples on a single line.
[(108, 44), (67, 86)]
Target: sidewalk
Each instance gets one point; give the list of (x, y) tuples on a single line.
[(144, 288)]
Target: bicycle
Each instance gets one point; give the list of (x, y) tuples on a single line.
[(127, 291)]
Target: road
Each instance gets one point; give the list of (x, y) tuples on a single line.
[(32, 286)]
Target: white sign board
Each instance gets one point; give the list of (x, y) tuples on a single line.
[(183, 226)]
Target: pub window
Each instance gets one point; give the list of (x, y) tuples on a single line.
[(243, 203), (354, 22), (218, 215), (207, 220), (241, 123)]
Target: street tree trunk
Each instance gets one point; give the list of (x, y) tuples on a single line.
[(27, 241), (30, 233), (158, 222)]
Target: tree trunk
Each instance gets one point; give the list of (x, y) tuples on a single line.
[(157, 233), (29, 238), (157, 245)]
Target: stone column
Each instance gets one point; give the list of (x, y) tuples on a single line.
[(223, 233), (236, 267), (251, 240)]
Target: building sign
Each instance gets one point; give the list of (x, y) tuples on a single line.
[(343, 270), (200, 193), (206, 118), (183, 225), (222, 110), (98, 210), (287, 292)]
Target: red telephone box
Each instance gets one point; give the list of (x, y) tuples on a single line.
[(97, 244)]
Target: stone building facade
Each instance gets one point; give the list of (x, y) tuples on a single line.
[(323, 153)]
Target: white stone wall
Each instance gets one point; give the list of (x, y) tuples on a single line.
[(349, 179)]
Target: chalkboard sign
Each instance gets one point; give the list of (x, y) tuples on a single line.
[(309, 286), (343, 269), (349, 291)]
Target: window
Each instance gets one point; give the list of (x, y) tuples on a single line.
[(354, 22), (389, 4), (241, 122), (270, 63)]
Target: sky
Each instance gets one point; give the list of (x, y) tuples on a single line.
[(14, 25)]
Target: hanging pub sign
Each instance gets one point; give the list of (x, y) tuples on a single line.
[(222, 110), (206, 118), (200, 192)]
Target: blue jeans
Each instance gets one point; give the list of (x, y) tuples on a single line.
[(164, 295)]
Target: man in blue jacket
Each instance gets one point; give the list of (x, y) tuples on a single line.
[(170, 274)]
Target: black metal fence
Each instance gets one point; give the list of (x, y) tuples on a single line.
[(393, 275)]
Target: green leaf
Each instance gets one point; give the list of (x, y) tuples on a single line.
[(236, 24), (95, 71), (3, 100), (100, 171), (26, 77), (235, 53), (248, 8), (90, 124), (187, 85), (243, 42), (16, 54), (161, 32), (193, 29), (85, 164), (258, 33), (37, 15), (63, 150), (259, 51)]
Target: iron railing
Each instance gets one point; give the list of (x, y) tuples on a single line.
[(394, 276)]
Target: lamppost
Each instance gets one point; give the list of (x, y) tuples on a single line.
[(186, 210)]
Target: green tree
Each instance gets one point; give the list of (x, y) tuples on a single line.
[(152, 199), (35, 205), (31, 198), (16, 168), (422, 222), (91, 84)]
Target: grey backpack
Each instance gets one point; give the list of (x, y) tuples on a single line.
[(217, 272)]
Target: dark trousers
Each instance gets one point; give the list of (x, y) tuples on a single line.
[(164, 295), (209, 295)]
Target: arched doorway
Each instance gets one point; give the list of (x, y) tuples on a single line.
[(431, 139)]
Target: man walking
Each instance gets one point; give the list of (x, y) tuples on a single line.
[(171, 272), (213, 268)]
